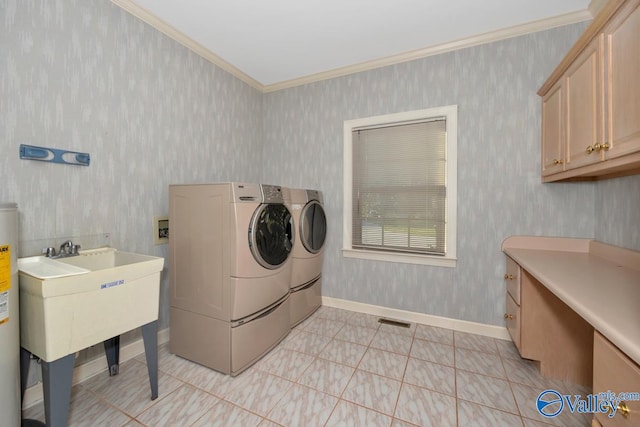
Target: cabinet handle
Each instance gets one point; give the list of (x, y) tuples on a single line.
[(557, 162), (510, 317), (599, 147), (508, 277), (622, 409), (590, 149)]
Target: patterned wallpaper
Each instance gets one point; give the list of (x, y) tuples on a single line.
[(499, 188), (618, 212), (85, 75)]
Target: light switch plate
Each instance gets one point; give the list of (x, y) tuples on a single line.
[(160, 230)]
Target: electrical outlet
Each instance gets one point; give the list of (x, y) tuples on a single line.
[(160, 230)]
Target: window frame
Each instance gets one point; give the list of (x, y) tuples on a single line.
[(450, 112)]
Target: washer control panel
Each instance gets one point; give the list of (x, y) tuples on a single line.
[(272, 194)]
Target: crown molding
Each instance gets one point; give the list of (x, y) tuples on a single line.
[(165, 28), (489, 37)]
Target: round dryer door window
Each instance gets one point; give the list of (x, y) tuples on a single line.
[(271, 235), (313, 227)]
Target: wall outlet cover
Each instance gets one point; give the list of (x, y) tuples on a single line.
[(160, 230)]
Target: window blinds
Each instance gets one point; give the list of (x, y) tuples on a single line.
[(399, 187)]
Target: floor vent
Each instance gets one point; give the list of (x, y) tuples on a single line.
[(394, 323)]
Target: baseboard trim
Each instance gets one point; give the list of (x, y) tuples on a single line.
[(34, 394), (492, 331)]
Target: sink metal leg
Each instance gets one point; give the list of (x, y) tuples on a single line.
[(112, 351), (56, 383), (25, 363), (150, 338)]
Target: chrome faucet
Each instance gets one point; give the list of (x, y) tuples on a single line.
[(66, 249), (49, 252)]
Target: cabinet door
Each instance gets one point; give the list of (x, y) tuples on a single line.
[(614, 371), (552, 131), (622, 38), (584, 118)]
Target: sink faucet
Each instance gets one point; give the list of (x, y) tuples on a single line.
[(49, 252), (66, 249)]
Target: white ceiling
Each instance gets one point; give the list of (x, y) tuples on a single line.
[(279, 41)]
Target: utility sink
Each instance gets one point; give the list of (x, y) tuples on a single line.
[(69, 304)]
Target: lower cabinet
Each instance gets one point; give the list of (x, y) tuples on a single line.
[(614, 371), (550, 284), (546, 330), (512, 314)]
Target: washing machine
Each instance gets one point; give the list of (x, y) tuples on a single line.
[(230, 250), (310, 224)]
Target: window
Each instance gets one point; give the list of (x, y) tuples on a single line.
[(400, 187)]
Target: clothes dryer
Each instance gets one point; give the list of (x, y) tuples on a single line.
[(308, 251), (229, 256)]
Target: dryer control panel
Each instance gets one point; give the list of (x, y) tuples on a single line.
[(314, 195)]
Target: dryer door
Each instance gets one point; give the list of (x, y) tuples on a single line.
[(271, 235), (313, 226)]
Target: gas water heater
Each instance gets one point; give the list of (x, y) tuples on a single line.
[(10, 410)]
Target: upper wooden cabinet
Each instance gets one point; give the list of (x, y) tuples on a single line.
[(622, 60), (591, 102), (552, 131), (584, 118)]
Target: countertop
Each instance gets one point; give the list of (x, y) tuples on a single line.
[(601, 285)]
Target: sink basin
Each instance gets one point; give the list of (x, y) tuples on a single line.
[(45, 268), (69, 304)]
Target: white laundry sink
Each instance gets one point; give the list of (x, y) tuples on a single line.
[(69, 304)]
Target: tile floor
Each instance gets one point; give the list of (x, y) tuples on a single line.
[(338, 368)]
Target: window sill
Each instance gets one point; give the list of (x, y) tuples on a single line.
[(435, 261)]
